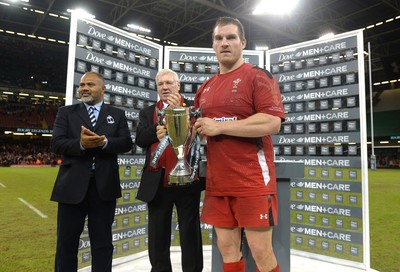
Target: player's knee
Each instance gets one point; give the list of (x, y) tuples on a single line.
[(229, 250), (261, 252)]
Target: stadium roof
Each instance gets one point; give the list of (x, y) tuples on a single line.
[(189, 23)]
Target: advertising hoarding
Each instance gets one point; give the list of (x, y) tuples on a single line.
[(323, 91)]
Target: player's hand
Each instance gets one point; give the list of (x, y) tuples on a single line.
[(207, 127)]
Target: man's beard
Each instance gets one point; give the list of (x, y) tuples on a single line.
[(87, 100)]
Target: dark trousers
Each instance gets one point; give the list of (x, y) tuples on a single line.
[(159, 227), (70, 223)]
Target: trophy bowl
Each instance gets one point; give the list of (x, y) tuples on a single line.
[(179, 126)]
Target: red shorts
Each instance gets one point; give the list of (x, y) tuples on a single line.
[(252, 211)]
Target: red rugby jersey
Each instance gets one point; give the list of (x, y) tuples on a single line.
[(239, 166)]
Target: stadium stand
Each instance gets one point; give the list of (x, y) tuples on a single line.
[(26, 151), (25, 121), (20, 115)]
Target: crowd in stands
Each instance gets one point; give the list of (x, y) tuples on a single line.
[(383, 160), (26, 150), (33, 151), (23, 114)]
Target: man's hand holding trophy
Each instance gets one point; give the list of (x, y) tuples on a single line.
[(175, 127)]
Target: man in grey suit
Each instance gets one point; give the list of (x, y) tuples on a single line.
[(88, 181)]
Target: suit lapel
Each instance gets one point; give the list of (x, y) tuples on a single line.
[(104, 112), (84, 115)]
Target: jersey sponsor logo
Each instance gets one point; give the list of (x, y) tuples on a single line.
[(263, 216), (225, 119)]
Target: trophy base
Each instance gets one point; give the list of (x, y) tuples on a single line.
[(178, 181)]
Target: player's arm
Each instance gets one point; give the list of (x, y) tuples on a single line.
[(257, 125)]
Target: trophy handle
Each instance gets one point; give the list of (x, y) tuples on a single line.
[(160, 116), (194, 114)]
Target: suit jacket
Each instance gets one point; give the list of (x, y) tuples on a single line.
[(145, 137), (74, 174)]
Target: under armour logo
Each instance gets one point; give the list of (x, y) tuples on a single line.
[(263, 216)]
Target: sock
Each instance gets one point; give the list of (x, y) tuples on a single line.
[(276, 269), (234, 267)]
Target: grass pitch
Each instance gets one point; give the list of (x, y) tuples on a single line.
[(27, 240), (28, 236), (384, 221)]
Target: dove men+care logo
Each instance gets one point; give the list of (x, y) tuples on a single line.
[(325, 139), (103, 35), (319, 185), (332, 70), (326, 116), (322, 49), (192, 78), (126, 160), (316, 95), (197, 58), (324, 209), (334, 235), (119, 89), (130, 208), (129, 233), (101, 60), (345, 114), (132, 114)]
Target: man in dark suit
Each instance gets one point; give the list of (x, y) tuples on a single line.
[(88, 181), (159, 197)]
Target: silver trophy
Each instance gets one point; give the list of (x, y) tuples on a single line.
[(181, 135)]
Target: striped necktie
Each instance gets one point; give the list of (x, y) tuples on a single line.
[(92, 116)]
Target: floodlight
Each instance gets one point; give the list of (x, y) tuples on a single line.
[(138, 28), (82, 13), (275, 7)]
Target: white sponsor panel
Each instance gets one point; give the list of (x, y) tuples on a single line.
[(323, 92)]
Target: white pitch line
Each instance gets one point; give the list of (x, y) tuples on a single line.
[(33, 208), (2, 185)]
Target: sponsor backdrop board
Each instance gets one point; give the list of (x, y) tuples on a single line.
[(323, 91), (194, 66), (129, 65)]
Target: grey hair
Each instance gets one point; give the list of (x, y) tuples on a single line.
[(168, 71)]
